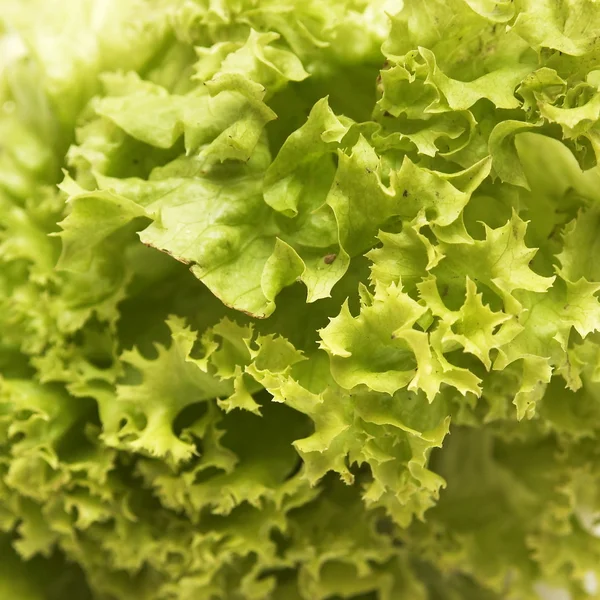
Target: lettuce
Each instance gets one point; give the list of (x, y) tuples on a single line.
[(299, 300)]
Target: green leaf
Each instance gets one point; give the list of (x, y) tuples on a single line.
[(380, 348), (570, 28), (475, 326), (504, 154), (169, 383), (285, 178), (500, 261)]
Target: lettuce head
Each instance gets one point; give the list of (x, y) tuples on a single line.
[(299, 299)]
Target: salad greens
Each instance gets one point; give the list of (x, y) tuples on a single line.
[(299, 299)]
